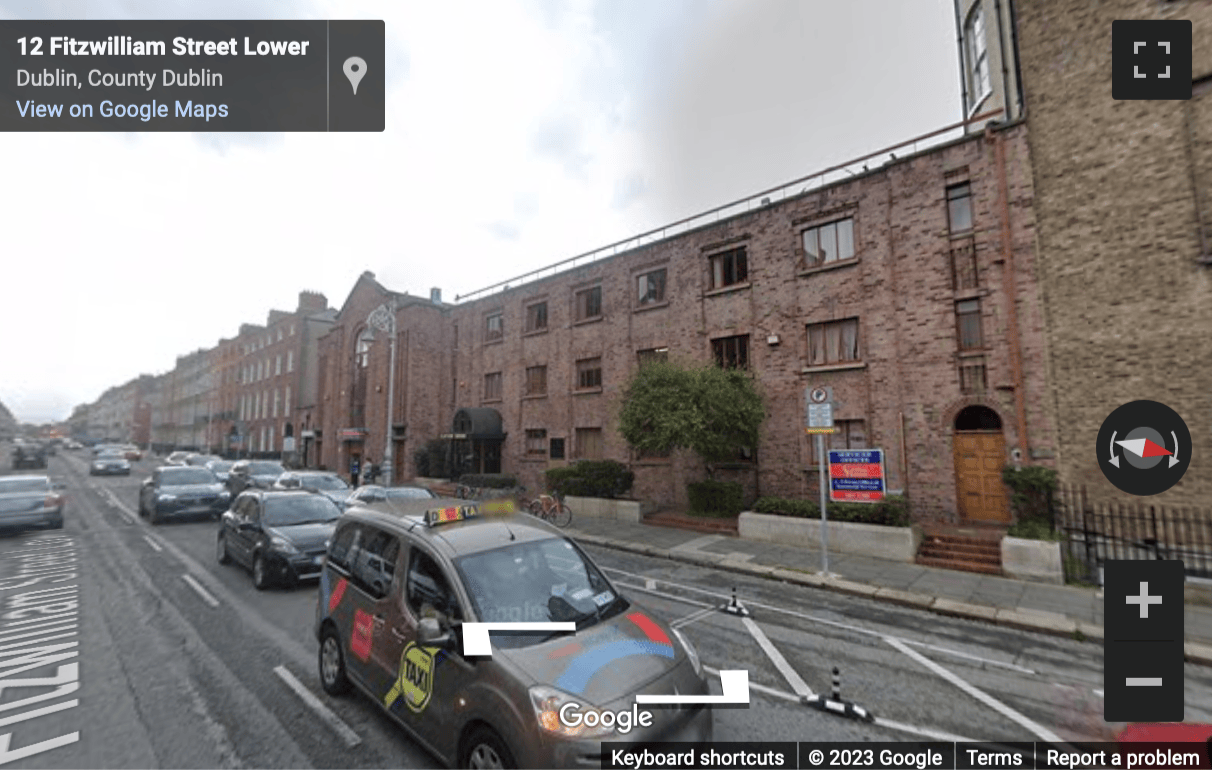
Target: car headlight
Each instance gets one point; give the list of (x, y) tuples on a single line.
[(548, 701), (691, 653), (224, 493), (282, 545)]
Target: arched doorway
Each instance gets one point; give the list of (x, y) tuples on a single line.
[(980, 454), (476, 441)]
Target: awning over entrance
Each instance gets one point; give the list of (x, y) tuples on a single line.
[(478, 424)]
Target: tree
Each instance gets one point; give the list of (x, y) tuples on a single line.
[(711, 411)]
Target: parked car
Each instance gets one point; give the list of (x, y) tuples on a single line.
[(27, 455), (201, 460), (177, 458), (326, 483), (221, 469), (398, 587), (179, 490), (132, 452), (372, 494), (30, 501), (109, 463), (280, 536), (259, 474), (104, 447)]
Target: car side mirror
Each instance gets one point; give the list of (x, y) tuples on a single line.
[(430, 632), (147, 482)]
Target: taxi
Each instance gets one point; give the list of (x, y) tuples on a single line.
[(400, 581)]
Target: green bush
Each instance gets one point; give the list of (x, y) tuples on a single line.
[(489, 480), (1037, 528), (1033, 491), (716, 497), (591, 478), (892, 511)]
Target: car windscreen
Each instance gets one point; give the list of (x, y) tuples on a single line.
[(323, 482), (408, 493), (23, 486), (111, 454), (220, 466), (540, 581), (265, 469), (289, 511), (175, 477)]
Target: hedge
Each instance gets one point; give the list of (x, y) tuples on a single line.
[(716, 497), (591, 478), (893, 511), (489, 480)]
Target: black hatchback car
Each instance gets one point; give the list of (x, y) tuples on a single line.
[(280, 536), (180, 490), (255, 474)]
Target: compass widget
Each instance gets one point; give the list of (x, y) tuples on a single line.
[(1144, 448)]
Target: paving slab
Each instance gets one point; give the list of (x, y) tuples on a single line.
[(964, 610), (906, 598)]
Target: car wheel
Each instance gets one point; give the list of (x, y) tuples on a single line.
[(485, 749), (332, 664), (259, 575), (221, 550), (153, 515)]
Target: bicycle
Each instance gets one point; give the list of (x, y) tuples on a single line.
[(465, 492), (549, 508)]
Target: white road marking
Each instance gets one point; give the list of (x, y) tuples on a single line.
[(797, 684), (813, 619), (688, 619), (1043, 732), (121, 506), (152, 543), (347, 734), (206, 595)]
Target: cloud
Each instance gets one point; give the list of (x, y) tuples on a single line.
[(628, 190), (504, 230), (561, 137)]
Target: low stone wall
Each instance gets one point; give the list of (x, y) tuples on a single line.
[(601, 508), (892, 543), (1036, 560)]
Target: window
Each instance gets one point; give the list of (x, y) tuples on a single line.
[(731, 352), (278, 365), (729, 268), (589, 444), (963, 265), (835, 342), (650, 288), (848, 434), (652, 354), (536, 442), (536, 380), (279, 334), (290, 360), (589, 303), (536, 316), (972, 374), (362, 353), (277, 399), (344, 546), (292, 330), (977, 57), (557, 449), (968, 324), (959, 207), (829, 243), (494, 327), (492, 386), (428, 590), (374, 566), (589, 373), (286, 404)]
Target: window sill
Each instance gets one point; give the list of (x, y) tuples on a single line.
[(727, 289), (531, 396), (976, 293), (535, 332), (804, 271), (651, 306), (494, 341), (586, 391), (492, 401), (974, 353), (590, 320), (834, 367)]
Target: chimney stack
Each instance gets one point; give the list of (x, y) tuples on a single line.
[(435, 296)]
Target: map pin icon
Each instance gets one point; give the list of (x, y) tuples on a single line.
[(355, 68)]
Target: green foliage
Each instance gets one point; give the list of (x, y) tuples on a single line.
[(709, 410), (430, 459), (1033, 488), (893, 511), (591, 478), (1034, 529), (724, 497), (489, 480)]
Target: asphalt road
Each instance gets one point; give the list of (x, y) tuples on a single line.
[(171, 660)]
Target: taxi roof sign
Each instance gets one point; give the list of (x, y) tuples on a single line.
[(436, 516)]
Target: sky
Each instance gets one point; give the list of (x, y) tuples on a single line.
[(518, 133)]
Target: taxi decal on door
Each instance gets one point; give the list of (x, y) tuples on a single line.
[(362, 638), (414, 684)]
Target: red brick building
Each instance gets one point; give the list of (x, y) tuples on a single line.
[(909, 289)]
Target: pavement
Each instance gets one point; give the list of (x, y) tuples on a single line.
[(1072, 611)]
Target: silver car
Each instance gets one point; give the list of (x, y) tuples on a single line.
[(30, 501)]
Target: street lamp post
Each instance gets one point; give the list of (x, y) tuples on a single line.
[(383, 318)]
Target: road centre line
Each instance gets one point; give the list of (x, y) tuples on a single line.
[(152, 543), (938, 735), (206, 595), (1043, 732), (800, 687), (347, 734), (814, 619)]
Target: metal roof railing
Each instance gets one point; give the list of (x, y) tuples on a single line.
[(815, 180)]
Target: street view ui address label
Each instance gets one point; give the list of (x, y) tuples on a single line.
[(192, 75)]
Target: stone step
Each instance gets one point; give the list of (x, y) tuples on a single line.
[(961, 549), (959, 564), (992, 560)]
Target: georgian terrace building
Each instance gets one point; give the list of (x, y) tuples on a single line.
[(909, 289)]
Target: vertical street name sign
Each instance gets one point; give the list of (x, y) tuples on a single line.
[(856, 475)]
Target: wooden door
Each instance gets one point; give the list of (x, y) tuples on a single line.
[(980, 491)]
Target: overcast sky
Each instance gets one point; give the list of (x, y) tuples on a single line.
[(518, 133)]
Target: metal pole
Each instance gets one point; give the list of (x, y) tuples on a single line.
[(391, 379), (820, 450)]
